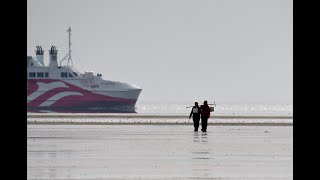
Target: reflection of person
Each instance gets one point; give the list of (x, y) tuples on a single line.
[(195, 113), (205, 114), (196, 137)]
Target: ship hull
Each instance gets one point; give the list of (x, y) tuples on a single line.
[(59, 96), (87, 107)]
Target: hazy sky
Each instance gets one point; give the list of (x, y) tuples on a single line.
[(176, 50)]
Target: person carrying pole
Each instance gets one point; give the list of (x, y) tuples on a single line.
[(205, 114)]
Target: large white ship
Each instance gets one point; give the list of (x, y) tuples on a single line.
[(62, 88)]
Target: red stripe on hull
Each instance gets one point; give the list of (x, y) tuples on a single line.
[(65, 97)]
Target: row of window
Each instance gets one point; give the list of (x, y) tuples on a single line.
[(46, 74), (66, 74), (39, 74)]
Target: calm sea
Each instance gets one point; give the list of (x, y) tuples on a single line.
[(220, 109), (177, 113)]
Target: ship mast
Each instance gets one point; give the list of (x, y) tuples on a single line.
[(69, 58), (69, 54)]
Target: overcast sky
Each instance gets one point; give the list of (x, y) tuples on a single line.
[(238, 51)]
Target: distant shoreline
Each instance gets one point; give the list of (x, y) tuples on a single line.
[(155, 123), (152, 116), (155, 119)]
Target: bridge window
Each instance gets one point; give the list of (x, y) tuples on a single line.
[(75, 74), (70, 75), (64, 74), (46, 74), (40, 74), (32, 74)]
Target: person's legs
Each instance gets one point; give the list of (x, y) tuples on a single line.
[(196, 124), (204, 122)]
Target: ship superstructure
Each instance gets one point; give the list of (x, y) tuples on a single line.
[(62, 88)]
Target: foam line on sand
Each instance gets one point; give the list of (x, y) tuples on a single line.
[(152, 116), (231, 122)]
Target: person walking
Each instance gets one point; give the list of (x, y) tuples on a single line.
[(195, 113), (205, 114)]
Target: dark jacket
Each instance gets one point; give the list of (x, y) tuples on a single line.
[(196, 110), (205, 111)]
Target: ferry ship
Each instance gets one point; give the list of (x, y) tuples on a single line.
[(62, 88)]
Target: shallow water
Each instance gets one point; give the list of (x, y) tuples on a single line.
[(159, 152), (220, 108)]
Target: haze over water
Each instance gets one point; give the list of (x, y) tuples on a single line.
[(178, 52), (175, 50)]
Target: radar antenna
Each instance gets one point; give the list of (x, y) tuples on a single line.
[(69, 54)]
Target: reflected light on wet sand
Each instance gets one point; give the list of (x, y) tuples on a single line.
[(159, 152)]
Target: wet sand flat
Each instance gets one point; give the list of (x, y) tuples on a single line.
[(158, 152)]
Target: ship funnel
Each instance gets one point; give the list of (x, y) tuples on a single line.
[(39, 54), (53, 57)]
